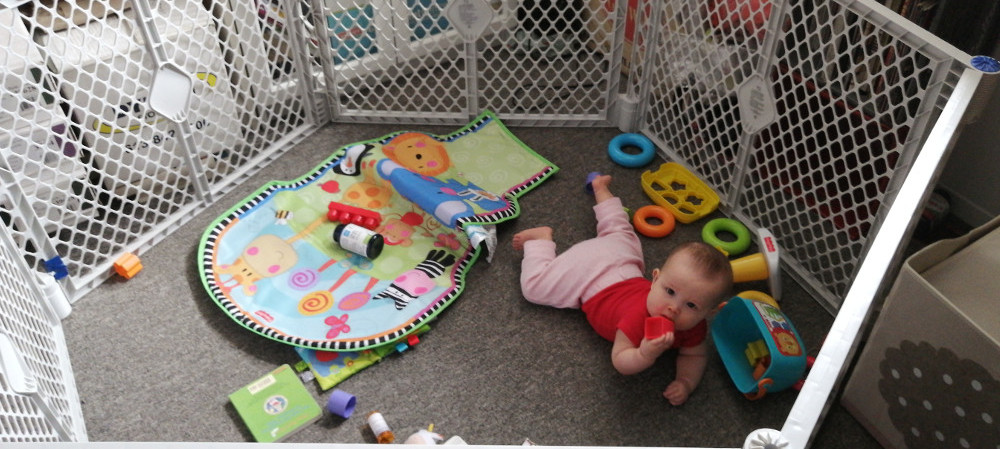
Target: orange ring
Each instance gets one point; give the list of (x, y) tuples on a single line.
[(639, 220)]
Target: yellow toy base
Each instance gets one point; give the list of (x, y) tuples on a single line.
[(679, 191)]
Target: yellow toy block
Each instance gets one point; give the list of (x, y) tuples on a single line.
[(756, 350), (679, 191)]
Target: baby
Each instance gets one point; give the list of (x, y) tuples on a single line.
[(604, 277)]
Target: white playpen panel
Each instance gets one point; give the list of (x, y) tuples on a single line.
[(806, 121), (133, 181), (532, 62), (809, 118), (38, 398)]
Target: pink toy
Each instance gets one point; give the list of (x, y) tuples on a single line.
[(346, 214), (657, 326)]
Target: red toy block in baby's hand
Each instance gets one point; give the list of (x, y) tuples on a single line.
[(657, 326)]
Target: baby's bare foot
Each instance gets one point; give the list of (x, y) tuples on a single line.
[(541, 232)]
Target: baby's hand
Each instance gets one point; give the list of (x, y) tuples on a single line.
[(677, 392), (653, 348)]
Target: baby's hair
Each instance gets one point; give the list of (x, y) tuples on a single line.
[(711, 262)]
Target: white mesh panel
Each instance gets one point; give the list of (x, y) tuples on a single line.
[(816, 166), (535, 62), (38, 342), (804, 116), (100, 172), (37, 147), (383, 65)]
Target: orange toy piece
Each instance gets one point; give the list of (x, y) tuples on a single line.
[(128, 265), (641, 221), (347, 214)]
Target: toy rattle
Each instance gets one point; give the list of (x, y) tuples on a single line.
[(762, 265)]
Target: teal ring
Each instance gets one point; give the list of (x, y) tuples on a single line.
[(620, 157)]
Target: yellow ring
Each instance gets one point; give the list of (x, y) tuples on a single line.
[(759, 296)]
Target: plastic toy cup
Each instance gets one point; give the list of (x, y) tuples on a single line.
[(657, 326), (341, 403), (589, 187)]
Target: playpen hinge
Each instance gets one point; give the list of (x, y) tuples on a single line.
[(625, 113)]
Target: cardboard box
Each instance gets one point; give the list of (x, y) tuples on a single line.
[(23, 95), (929, 375), (35, 143), (276, 405), (108, 72), (601, 27), (58, 14), (49, 173)]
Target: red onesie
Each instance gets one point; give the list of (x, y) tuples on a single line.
[(623, 306)]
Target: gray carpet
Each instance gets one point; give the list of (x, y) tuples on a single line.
[(155, 359)]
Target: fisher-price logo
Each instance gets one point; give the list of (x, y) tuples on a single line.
[(769, 244)]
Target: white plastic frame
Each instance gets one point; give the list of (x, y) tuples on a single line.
[(875, 270)]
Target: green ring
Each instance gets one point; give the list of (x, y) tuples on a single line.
[(712, 228)]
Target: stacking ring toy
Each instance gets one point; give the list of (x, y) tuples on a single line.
[(620, 157), (755, 295), (641, 217), (711, 230)]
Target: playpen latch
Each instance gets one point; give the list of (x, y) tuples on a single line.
[(469, 17), (756, 103), (170, 94)]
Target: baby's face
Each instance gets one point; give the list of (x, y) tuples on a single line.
[(681, 293)]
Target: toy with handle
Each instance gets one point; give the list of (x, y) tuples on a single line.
[(762, 265)]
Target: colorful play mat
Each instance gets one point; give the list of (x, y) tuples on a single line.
[(271, 262)]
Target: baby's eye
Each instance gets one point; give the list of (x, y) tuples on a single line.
[(691, 305), (670, 291)]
